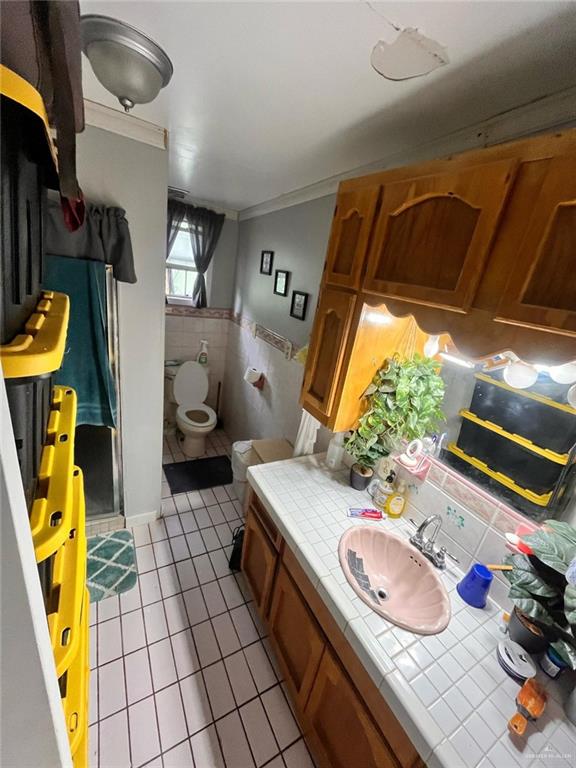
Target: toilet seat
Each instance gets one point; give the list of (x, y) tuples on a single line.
[(197, 416)]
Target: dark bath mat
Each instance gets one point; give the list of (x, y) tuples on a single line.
[(198, 474)]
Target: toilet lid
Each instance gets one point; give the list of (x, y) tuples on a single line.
[(190, 384)]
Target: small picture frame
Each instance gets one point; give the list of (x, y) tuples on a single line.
[(299, 305), (281, 280), (266, 261)]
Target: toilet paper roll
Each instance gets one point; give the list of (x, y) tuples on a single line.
[(252, 375)]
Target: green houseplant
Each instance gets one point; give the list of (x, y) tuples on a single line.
[(402, 403), (543, 585)]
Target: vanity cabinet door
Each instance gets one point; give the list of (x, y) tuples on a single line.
[(341, 732), (296, 638), (434, 234), (349, 236), (258, 562), (541, 292), (327, 349)]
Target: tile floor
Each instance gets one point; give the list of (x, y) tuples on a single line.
[(182, 671)]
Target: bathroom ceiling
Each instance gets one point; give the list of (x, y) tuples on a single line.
[(268, 98)]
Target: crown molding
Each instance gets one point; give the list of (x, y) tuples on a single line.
[(545, 114), (109, 119)]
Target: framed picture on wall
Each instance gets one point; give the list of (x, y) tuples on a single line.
[(266, 261), (281, 280), (299, 305)]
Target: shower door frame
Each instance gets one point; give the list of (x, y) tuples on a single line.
[(114, 358)]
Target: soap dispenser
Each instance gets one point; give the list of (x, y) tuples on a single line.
[(202, 357)]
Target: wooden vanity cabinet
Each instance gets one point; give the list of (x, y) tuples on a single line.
[(259, 559), (341, 732), (342, 714), (295, 637)]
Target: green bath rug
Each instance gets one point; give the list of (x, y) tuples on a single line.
[(111, 564)]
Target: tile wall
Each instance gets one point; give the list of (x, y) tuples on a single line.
[(273, 411), (473, 522), (183, 335)]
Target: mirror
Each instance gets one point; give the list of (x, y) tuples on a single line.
[(511, 429)]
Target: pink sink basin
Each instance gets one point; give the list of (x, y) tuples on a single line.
[(394, 579)]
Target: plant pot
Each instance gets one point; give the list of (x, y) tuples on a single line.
[(526, 634), (360, 477)]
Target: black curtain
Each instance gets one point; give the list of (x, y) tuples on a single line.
[(205, 228), (176, 214)]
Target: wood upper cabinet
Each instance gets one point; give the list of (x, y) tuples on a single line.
[(434, 233), (542, 290), (296, 638), (341, 731), (349, 236), (327, 348), (258, 561)]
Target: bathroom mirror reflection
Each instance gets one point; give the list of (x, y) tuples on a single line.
[(511, 429)]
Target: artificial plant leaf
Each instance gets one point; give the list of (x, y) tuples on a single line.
[(530, 607), (570, 604), (563, 529), (552, 549), (525, 576), (566, 652)]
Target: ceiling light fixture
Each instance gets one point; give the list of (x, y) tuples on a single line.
[(412, 54), (126, 61)]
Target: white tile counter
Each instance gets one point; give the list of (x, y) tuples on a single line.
[(448, 690)]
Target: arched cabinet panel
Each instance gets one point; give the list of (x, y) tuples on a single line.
[(433, 234), (350, 234), (543, 292), (327, 347)]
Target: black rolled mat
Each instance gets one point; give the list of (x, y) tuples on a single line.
[(198, 474)]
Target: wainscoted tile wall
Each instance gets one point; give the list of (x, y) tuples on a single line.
[(184, 331), (273, 411)]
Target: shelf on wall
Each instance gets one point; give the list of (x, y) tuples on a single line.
[(40, 349), (52, 509), (68, 584), (74, 689)]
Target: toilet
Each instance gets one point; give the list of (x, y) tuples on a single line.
[(194, 418)]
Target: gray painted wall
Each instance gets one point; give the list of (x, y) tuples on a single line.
[(119, 171), (298, 236), (223, 268)]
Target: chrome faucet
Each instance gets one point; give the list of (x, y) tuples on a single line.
[(426, 546)]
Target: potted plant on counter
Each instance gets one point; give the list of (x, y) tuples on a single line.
[(403, 403), (543, 590)]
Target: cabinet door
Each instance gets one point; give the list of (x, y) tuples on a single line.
[(542, 289), (327, 347), (434, 234), (296, 638), (348, 243), (258, 562), (342, 734)]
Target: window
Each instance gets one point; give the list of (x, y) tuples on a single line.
[(180, 269)]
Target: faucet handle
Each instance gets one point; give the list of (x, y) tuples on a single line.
[(440, 558)]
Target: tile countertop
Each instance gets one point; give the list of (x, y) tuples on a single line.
[(448, 690)]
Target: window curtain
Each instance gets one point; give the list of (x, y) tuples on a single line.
[(205, 228), (176, 214)]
